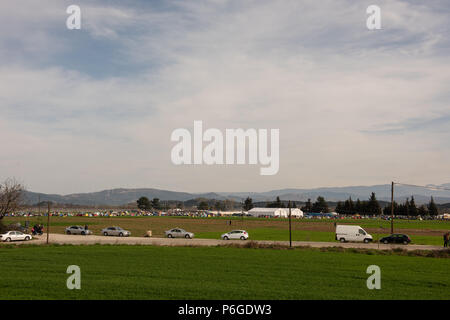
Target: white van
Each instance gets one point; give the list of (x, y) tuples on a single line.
[(352, 233)]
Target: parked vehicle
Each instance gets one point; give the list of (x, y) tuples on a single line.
[(77, 230), (235, 235), (179, 233), (396, 238), (15, 236), (352, 233), (37, 230), (116, 231)]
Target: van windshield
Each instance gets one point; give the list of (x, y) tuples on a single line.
[(361, 231)]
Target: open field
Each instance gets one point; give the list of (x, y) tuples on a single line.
[(146, 272), (421, 232)]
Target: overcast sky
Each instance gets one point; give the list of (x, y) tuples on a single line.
[(93, 109)]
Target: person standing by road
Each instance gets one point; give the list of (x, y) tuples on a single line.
[(446, 239)]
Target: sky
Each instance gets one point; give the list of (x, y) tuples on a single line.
[(93, 109)]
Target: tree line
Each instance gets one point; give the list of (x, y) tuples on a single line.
[(348, 207), (319, 206), (279, 204), (144, 203), (409, 208), (372, 207)]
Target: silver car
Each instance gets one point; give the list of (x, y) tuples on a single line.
[(179, 233), (235, 235), (116, 231), (77, 230)]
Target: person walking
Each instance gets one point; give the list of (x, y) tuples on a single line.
[(446, 239)]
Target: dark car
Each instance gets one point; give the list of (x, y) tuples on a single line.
[(396, 238)]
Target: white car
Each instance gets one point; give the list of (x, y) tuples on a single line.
[(15, 236), (235, 235), (352, 233)]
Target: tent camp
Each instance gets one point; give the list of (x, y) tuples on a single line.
[(275, 212)]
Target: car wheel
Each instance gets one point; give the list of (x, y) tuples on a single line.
[(105, 233), (83, 233), (242, 238), (68, 232), (187, 236), (342, 240), (121, 234), (226, 238), (27, 238), (385, 242), (366, 240), (169, 236), (405, 242), (8, 240)]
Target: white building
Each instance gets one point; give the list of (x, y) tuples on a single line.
[(275, 212)]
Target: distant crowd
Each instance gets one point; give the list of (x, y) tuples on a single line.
[(207, 213)]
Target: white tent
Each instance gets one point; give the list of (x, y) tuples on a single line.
[(275, 212)]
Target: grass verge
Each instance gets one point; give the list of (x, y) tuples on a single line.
[(146, 272)]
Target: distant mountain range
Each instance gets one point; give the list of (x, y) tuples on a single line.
[(116, 197)]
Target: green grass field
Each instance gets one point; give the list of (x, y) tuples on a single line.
[(146, 272)]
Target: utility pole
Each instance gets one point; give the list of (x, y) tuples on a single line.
[(48, 219), (392, 208), (290, 230), (407, 208)]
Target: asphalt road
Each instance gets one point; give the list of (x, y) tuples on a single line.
[(93, 239)]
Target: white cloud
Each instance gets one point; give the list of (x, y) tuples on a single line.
[(311, 69)]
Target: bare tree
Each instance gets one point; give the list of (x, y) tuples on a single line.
[(10, 196)]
